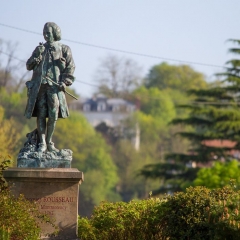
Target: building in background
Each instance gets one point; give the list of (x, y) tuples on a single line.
[(107, 115)]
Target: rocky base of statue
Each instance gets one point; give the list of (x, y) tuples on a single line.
[(30, 157)]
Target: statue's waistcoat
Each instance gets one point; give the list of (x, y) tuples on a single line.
[(51, 69)]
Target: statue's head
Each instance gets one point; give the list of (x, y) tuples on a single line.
[(51, 32)]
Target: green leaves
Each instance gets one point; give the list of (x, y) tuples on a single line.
[(18, 217), (4, 164), (135, 220), (180, 77), (219, 175), (199, 213)]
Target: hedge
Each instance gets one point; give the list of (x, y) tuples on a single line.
[(197, 214)]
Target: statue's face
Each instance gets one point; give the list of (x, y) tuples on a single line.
[(48, 34)]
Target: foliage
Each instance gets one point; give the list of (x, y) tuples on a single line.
[(213, 115), (3, 166), (19, 217), (202, 214), (8, 134), (13, 105), (155, 102), (129, 162), (85, 230), (181, 77), (4, 233), (157, 110), (133, 221), (218, 175), (197, 214)]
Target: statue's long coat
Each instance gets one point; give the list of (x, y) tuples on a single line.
[(60, 51)]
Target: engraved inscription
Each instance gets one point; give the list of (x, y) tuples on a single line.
[(54, 199), (51, 205)]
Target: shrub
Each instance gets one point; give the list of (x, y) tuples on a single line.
[(201, 214), (136, 220), (4, 233), (197, 214), (19, 217), (85, 230)]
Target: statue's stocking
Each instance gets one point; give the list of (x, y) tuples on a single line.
[(41, 127), (50, 129)]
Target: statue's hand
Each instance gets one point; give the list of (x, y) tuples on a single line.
[(39, 50), (67, 79), (67, 82), (62, 86)]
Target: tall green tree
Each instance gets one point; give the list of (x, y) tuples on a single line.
[(181, 78)]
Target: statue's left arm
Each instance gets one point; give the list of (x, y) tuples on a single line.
[(68, 70)]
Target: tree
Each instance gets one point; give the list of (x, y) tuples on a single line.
[(218, 175), (152, 121), (9, 136), (157, 136), (129, 162), (118, 76), (11, 77), (181, 78), (214, 115)]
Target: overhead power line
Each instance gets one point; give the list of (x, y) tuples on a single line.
[(21, 60), (11, 56), (119, 50), (140, 95), (149, 97)]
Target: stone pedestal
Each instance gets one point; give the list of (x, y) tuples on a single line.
[(56, 192)]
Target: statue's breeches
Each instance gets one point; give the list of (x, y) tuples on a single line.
[(47, 103)]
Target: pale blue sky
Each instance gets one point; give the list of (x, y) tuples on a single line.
[(190, 30)]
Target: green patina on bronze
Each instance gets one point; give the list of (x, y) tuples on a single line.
[(53, 67)]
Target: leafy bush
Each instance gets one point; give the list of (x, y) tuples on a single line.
[(19, 217), (133, 220), (197, 214), (4, 233), (202, 214)]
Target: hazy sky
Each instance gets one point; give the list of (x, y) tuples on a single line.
[(186, 30)]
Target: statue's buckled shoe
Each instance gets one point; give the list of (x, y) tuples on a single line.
[(51, 148), (42, 147)]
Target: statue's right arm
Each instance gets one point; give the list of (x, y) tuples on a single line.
[(31, 63)]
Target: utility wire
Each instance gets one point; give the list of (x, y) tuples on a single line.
[(21, 60), (11, 56), (119, 50), (155, 98)]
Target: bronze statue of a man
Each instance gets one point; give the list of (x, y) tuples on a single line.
[(53, 69)]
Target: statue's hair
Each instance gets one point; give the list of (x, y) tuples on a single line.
[(56, 30)]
